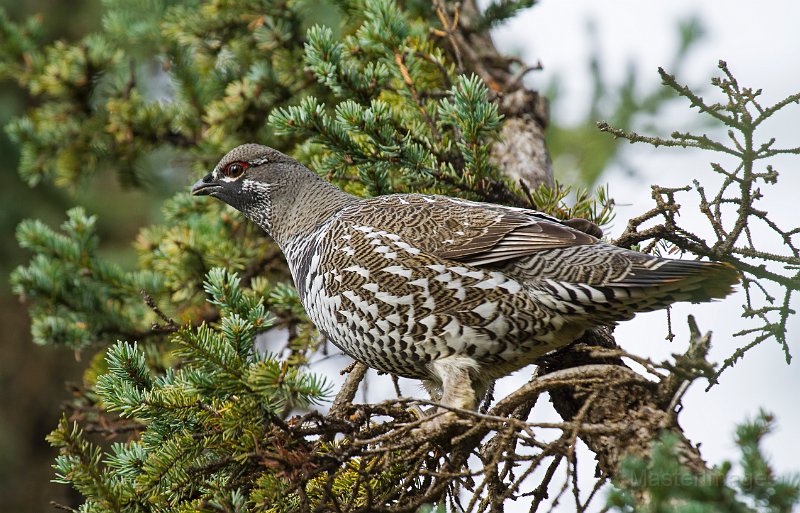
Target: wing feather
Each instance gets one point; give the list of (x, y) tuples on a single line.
[(514, 234), (470, 232)]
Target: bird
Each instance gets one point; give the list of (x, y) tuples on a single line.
[(452, 292)]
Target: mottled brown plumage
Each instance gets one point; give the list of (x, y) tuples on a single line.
[(453, 292)]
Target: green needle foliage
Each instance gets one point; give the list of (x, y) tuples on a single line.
[(199, 383), (662, 484), (77, 298), (405, 120), (202, 422)]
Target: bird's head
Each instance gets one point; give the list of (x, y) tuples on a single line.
[(245, 173), (260, 181), (250, 178)]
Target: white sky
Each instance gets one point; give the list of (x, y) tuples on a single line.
[(761, 45)]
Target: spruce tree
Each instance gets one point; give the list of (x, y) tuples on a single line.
[(204, 411)]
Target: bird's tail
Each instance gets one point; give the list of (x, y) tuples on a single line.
[(651, 284)]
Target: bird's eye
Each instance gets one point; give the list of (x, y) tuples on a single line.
[(235, 169)]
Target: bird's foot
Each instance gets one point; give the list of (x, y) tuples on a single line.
[(441, 424)]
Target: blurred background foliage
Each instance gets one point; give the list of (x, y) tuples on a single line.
[(124, 201), (579, 153), (32, 378)]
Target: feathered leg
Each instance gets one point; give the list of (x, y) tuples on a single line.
[(455, 376)]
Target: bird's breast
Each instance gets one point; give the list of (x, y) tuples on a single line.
[(388, 303)]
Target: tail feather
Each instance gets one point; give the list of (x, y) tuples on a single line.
[(703, 281), (652, 284)]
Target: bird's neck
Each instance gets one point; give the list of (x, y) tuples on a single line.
[(306, 205)]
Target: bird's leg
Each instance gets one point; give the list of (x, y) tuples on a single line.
[(455, 375)]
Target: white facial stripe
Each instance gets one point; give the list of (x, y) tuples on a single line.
[(259, 187)]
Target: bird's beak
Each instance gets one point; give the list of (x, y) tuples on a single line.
[(205, 186)]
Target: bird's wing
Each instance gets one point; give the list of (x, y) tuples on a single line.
[(513, 235), (479, 233)]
